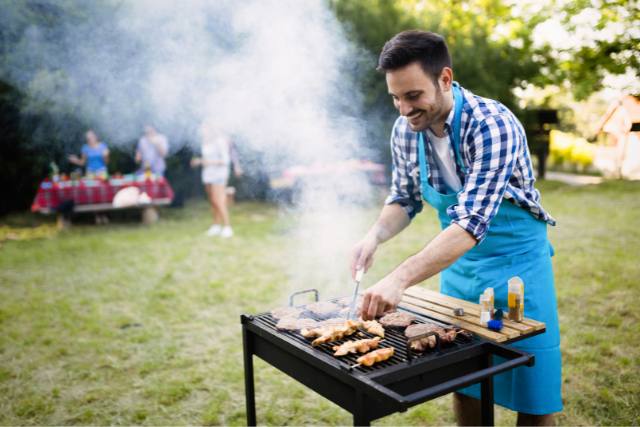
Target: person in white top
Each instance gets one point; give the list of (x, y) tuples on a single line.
[(215, 161)]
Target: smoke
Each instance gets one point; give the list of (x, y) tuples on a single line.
[(278, 75)]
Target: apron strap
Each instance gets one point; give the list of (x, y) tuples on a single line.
[(422, 159), (455, 134), (457, 124)]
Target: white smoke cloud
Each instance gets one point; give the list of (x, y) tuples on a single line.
[(271, 72)]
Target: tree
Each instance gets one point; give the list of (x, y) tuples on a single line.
[(605, 39)]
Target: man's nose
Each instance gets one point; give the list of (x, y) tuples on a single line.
[(404, 108)]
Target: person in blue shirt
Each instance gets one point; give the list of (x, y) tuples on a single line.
[(94, 157), (467, 158)]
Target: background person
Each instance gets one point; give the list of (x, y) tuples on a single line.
[(94, 155), (151, 151), (467, 157), (216, 158)]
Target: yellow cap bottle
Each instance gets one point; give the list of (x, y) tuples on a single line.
[(516, 299)]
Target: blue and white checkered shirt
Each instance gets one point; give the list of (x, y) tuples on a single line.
[(495, 153)]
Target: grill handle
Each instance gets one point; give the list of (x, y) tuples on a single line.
[(419, 337), (306, 291), (515, 358)]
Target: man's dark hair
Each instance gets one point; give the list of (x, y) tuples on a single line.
[(429, 49)]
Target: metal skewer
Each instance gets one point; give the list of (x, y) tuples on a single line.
[(352, 306)]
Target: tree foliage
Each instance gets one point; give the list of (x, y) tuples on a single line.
[(613, 48)]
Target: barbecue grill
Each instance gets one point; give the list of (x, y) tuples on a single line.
[(368, 393)]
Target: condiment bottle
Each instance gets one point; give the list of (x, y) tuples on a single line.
[(485, 309), (516, 299), (489, 293)]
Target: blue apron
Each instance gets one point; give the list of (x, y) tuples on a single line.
[(516, 245)]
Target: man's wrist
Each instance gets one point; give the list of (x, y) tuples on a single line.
[(401, 278)]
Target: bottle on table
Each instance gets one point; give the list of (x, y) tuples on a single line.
[(516, 299)]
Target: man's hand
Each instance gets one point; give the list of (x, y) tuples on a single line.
[(382, 297), (362, 255)]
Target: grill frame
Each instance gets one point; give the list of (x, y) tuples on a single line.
[(372, 393)]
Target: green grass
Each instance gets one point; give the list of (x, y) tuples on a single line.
[(126, 324)]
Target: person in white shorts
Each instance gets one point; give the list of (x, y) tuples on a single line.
[(215, 161)]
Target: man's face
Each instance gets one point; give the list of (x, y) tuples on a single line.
[(416, 96)]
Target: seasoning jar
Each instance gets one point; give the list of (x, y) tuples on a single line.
[(516, 299), (485, 309), (489, 293)]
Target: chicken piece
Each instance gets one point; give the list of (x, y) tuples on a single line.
[(282, 312), (375, 356), (373, 327), (397, 319), (358, 346), (312, 332), (336, 333), (321, 328), (293, 324)]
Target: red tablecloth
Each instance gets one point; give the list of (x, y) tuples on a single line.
[(90, 192)]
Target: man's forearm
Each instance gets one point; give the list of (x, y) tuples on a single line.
[(392, 220), (449, 245)]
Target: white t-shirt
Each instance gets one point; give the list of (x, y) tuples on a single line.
[(445, 161)]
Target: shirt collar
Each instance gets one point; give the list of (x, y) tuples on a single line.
[(449, 122)]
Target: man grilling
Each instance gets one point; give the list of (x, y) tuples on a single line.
[(466, 157)]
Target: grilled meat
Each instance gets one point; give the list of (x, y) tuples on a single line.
[(446, 335), (397, 319), (358, 346), (294, 324), (282, 312), (373, 327), (322, 308), (375, 356), (332, 333), (334, 321)]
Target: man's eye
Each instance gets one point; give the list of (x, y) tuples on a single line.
[(413, 97)]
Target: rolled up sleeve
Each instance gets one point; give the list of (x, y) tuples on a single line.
[(404, 189), (492, 153)]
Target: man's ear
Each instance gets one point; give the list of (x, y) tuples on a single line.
[(446, 79)]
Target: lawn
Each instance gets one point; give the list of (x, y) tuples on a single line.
[(126, 324)]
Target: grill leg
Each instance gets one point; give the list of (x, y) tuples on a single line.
[(486, 398), (360, 415), (248, 379)]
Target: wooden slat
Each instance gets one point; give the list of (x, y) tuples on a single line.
[(470, 309), (434, 296), (475, 320), (478, 330)]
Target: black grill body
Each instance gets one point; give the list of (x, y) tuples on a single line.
[(369, 393)]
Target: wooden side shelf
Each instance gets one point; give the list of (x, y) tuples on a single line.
[(439, 306)]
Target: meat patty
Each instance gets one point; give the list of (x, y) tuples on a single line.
[(282, 312), (397, 319), (335, 321), (294, 324), (322, 308)]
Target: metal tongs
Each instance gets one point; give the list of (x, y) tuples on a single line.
[(352, 306)]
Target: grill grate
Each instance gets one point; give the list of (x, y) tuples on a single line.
[(394, 337)]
